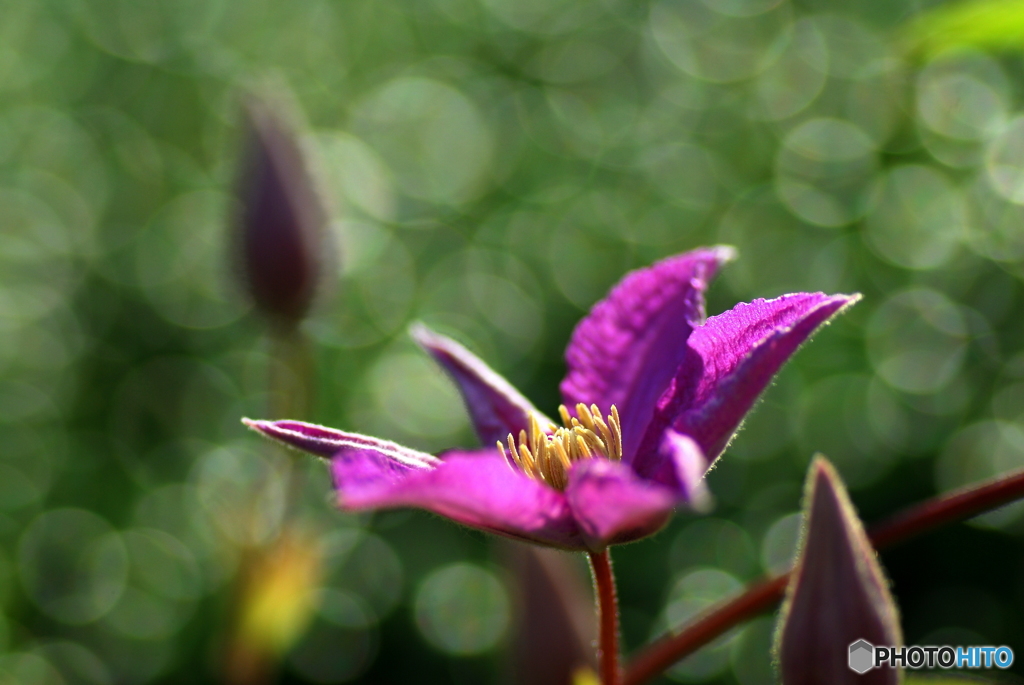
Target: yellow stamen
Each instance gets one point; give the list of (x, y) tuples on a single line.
[(547, 452)]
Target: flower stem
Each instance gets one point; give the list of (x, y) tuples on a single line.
[(766, 593), (607, 617), (948, 508)]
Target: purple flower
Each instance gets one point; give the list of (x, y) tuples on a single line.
[(654, 394)]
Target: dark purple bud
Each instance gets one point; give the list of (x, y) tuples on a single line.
[(838, 609), (553, 630), (282, 221)]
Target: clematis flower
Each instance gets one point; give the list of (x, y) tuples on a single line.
[(653, 395)]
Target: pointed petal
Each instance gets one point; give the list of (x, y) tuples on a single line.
[(495, 406), (613, 505), (325, 442), (627, 349), (837, 595), (682, 468), (476, 489), (731, 359)]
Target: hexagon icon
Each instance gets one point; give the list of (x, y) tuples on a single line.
[(862, 656)]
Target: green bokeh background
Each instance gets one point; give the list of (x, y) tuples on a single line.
[(492, 167)]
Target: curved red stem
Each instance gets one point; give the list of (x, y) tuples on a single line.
[(607, 617), (765, 594)]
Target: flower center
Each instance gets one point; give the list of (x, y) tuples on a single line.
[(546, 453)]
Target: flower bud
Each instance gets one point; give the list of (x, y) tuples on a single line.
[(553, 629), (282, 220), (837, 593)]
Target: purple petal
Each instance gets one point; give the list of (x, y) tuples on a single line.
[(731, 359), (495, 406), (682, 468), (838, 594), (476, 489), (325, 442), (613, 505), (627, 349)]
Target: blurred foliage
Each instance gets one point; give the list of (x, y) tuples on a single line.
[(991, 24), (924, 680), (492, 167)]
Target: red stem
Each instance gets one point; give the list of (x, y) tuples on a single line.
[(949, 508), (607, 617), (658, 656), (766, 593)]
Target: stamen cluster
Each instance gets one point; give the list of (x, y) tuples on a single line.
[(546, 453)]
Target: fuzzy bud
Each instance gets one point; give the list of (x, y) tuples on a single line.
[(282, 221), (837, 593)]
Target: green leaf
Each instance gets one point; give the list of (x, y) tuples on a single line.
[(986, 24)]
